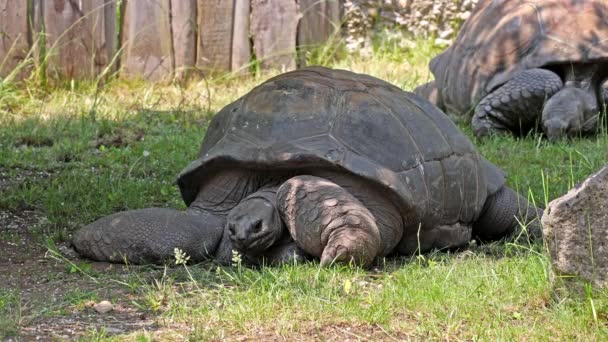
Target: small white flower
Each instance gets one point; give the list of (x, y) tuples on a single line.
[(146, 154), (236, 258), (180, 256)]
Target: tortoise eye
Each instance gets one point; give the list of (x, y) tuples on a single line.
[(231, 229)]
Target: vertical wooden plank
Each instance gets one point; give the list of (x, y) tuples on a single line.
[(215, 18), (146, 40), (77, 34), (274, 28), (64, 52), (14, 35), (111, 33), (319, 21), (183, 24), (241, 47), (37, 33)]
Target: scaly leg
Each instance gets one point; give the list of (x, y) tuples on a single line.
[(517, 104), (151, 235)]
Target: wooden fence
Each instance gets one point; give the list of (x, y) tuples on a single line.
[(159, 39)]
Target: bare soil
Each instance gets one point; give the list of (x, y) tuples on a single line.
[(47, 291)]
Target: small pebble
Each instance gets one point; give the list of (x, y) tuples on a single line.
[(103, 307)]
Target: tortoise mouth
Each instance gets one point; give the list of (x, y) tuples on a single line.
[(253, 244)]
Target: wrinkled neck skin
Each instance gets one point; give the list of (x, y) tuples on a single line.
[(226, 189), (574, 110), (587, 77)]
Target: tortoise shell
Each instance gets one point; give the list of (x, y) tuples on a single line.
[(322, 118), (503, 37)]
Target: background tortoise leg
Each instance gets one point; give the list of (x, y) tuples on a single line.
[(517, 104), (327, 221), (502, 214), (151, 235)]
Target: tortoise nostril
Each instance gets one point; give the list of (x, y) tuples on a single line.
[(240, 236), (256, 227)]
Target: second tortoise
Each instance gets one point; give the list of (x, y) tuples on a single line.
[(517, 63)]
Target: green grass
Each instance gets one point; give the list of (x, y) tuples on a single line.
[(9, 312), (78, 151)]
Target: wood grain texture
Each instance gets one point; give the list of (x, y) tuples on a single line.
[(147, 40), (215, 18), (14, 34), (37, 32), (274, 29), (183, 24), (79, 36), (320, 19), (241, 46), (111, 33)]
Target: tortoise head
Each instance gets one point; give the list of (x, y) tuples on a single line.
[(574, 110), (570, 112), (255, 224)]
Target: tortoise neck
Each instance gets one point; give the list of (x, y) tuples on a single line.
[(224, 190), (583, 76), (587, 77)]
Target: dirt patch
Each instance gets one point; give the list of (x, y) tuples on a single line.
[(19, 176), (52, 301), (120, 138), (123, 319), (16, 242), (307, 331), (34, 141)]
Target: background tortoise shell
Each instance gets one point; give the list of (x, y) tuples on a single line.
[(503, 37)]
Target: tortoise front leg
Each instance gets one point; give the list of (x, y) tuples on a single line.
[(151, 236), (327, 221), (516, 104)]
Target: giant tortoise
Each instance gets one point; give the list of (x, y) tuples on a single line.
[(518, 63), (321, 163)]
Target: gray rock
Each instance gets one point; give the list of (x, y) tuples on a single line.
[(575, 227)]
